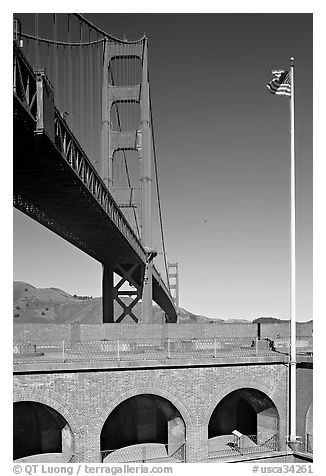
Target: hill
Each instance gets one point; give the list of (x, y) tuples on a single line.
[(33, 305), (52, 305)]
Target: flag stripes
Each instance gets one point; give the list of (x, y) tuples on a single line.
[(281, 83)]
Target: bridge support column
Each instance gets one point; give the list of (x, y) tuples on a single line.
[(117, 293), (196, 444), (107, 294), (146, 304), (105, 127), (146, 191)]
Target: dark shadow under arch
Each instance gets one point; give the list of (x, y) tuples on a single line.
[(144, 418), (39, 429), (247, 410)]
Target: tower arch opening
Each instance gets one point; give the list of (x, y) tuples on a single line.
[(144, 427), (41, 433)]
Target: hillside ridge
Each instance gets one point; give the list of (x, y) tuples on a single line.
[(33, 305)]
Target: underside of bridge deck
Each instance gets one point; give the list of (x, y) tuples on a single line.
[(48, 189)]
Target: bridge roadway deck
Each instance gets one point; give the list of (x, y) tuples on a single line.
[(53, 192)]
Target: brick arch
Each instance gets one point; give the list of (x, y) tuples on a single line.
[(134, 392), (39, 397), (237, 385)]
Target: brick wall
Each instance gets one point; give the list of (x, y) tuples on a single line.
[(85, 399), (304, 398)]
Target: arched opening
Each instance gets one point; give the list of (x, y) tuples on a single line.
[(41, 433), (244, 420), (143, 428)]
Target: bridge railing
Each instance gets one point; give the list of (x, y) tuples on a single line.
[(245, 445), (163, 349), (304, 344), (24, 82), (146, 453)]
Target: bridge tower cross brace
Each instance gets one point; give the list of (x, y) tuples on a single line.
[(112, 141)]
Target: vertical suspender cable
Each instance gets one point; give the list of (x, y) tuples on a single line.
[(76, 91), (77, 87), (81, 81), (55, 60), (92, 102), (98, 81), (48, 56), (97, 104), (85, 98), (158, 191), (65, 77), (64, 80), (89, 98), (36, 59), (69, 58)]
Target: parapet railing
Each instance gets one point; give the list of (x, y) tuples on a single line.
[(147, 453), (245, 446), (141, 349), (304, 344)]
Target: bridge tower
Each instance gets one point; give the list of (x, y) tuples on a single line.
[(138, 140), (173, 277)]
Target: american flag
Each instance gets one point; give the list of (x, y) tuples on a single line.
[(281, 83)]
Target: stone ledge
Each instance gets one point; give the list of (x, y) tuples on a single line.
[(141, 364)]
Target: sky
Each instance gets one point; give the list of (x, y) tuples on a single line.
[(223, 150)]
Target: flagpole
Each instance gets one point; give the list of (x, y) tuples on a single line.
[(293, 406)]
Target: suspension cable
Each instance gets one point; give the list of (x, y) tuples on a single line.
[(158, 189), (59, 43), (106, 35)]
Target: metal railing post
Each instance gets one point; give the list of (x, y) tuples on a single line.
[(63, 350), (118, 349), (169, 350), (215, 348)]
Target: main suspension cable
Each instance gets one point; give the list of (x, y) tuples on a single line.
[(102, 32), (158, 189), (59, 43)]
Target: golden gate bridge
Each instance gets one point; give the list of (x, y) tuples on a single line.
[(84, 153)]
